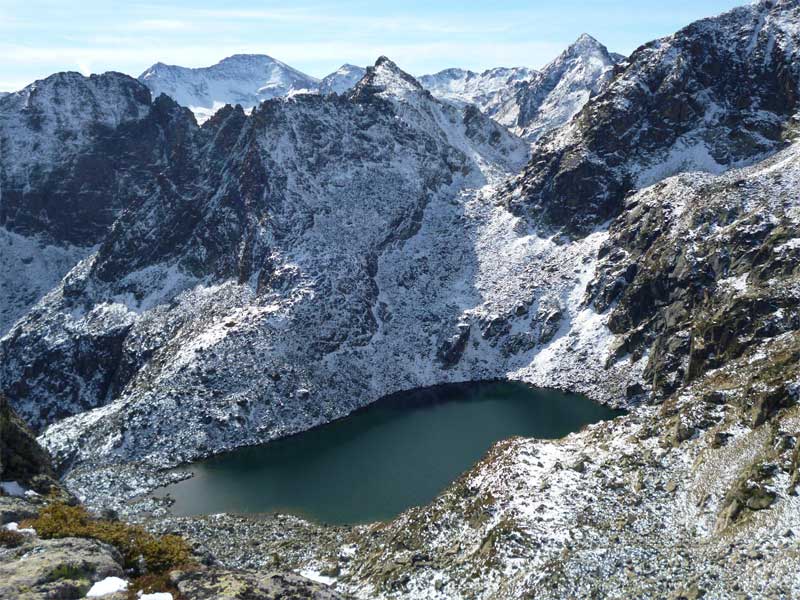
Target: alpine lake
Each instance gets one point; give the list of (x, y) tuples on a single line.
[(398, 452)]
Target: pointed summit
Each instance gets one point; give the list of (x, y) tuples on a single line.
[(385, 77), (585, 45), (562, 88)]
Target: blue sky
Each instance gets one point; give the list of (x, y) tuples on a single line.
[(40, 37)]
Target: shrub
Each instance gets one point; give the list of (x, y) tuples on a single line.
[(159, 553), (10, 539), (150, 584)]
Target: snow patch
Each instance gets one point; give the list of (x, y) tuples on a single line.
[(107, 586)]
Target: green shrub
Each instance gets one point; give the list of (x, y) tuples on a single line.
[(160, 553)]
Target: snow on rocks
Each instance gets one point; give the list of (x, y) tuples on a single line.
[(107, 586), (154, 596), (342, 80), (559, 91), (13, 526), (488, 90)]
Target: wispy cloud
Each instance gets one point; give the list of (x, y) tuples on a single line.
[(38, 37)]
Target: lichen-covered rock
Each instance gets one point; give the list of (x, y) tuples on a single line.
[(222, 584), (62, 568)]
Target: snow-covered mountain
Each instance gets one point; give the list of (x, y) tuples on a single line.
[(59, 192), (488, 90), (559, 91), (529, 102), (677, 104), (342, 80), (310, 206), (272, 271), (245, 79)]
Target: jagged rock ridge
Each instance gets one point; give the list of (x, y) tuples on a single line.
[(717, 94), (560, 90), (488, 90)]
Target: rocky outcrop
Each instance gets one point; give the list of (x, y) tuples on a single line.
[(221, 584), (32, 568), (700, 269), (62, 568), (21, 458)]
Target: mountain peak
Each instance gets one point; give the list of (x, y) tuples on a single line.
[(248, 60), (585, 44), (386, 76), (246, 79), (385, 61)]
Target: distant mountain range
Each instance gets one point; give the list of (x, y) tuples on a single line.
[(245, 79), (527, 101)]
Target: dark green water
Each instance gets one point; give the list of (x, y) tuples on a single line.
[(397, 453)]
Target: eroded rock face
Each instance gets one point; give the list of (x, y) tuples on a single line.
[(676, 104), (699, 269), (22, 459), (76, 152)]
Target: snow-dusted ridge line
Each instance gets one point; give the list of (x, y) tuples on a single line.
[(245, 79), (528, 101)]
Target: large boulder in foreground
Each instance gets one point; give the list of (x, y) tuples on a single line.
[(219, 584)]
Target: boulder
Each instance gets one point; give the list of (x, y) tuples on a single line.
[(59, 568), (221, 584)]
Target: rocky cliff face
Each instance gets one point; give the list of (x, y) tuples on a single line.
[(76, 152), (717, 94), (53, 136)]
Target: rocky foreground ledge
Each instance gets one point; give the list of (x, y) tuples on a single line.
[(49, 563)]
